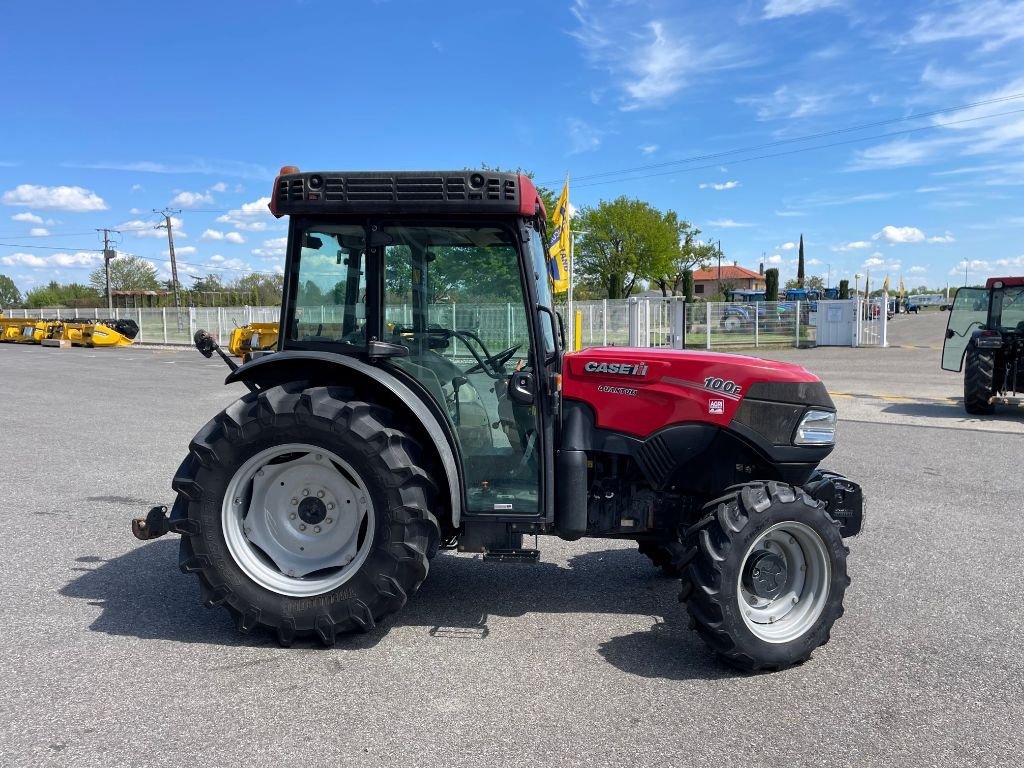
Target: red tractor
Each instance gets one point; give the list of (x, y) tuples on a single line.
[(985, 339), (420, 398)]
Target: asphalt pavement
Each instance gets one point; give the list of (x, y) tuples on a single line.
[(582, 659)]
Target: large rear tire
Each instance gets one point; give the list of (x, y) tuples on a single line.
[(979, 377), (671, 556), (768, 577), (307, 513)]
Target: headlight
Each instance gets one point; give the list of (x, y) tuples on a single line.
[(816, 428)]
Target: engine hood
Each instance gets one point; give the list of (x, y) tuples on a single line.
[(639, 391)]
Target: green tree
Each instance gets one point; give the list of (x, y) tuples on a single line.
[(626, 241), (9, 293), (800, 265), (771, 284), (692, 254), (844, 289), (258, 288), (688, 284), (55, 294), (812, 283), (127, 273)]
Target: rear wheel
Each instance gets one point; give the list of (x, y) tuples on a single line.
[(307, 513), (979, 375), (732, 323), (768, 577)]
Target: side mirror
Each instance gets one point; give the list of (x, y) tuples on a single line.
[(950, 333), (557, 332), (522, 387), (204, 343)]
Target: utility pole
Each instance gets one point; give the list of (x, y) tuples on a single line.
[(167, 213), (109, 254)]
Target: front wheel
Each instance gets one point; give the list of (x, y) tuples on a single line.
[(307, 513), (768, 578), (979, 375)]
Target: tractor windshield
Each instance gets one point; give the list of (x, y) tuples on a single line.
[(1008, 309)]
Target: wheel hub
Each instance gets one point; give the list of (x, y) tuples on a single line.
[(312, 510), (766, 574)]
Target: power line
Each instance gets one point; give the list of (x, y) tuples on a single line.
[(805, 149), (808, 137)]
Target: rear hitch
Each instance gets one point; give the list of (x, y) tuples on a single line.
[(152, 526), (158, 523)]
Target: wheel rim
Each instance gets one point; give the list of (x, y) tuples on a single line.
[(784, 582), (731, 323), (298, 520)]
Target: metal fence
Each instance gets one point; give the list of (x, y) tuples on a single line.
[(643, 322)]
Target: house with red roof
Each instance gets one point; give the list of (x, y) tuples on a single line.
[(708, 282)]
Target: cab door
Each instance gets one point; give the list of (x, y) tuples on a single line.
[(969, 312)]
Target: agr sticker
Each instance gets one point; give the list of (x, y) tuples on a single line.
[(716, 407)]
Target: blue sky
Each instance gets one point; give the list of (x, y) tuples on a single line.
[(113, 109)]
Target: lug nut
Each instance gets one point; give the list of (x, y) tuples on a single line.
[(292, 516), (316, 529), (260, 473), (795, 599), (330, 506), (302, 526), (329, 520), (319, 494), (305, 492), (295, 502)]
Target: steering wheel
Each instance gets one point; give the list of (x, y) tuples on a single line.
[(496, 362)]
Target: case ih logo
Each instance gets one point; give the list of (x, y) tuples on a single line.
[(622, 369)]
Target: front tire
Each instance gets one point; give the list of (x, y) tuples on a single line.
[(979, 376), (307, 514), (768, 577)]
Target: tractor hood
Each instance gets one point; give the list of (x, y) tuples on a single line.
[(639, 391)]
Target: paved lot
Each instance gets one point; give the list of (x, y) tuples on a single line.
[(583, 659)]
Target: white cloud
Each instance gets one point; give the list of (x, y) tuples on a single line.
[(788, 246), (134, 211), (899, 234), (896, 154), (224, 263), (649, 61), (789, 104), (220, 186), (874, 261), (38, 232), (136, 188), (720, 187), (947, 79), (774, 259), (917, 270), (789, 214), (272, 249), (149, 229), (251, 217), (995, 22), (856, 245), (31, 218), (648, 149), (583, 137), (234, 237), (189, 199), (75, 199), (728, 223), (212, 234), (183, 250), (777, 9), (946, 238), (31, 260)]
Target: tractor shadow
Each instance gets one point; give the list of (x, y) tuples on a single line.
[(1010, 413), (142, 594)]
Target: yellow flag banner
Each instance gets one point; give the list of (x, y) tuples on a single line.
[(885, 285), (560, 242), (902, 289)]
